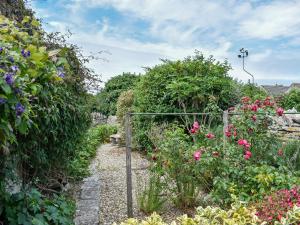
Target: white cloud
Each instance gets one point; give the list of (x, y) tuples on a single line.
[(179, 27), (278, 19)]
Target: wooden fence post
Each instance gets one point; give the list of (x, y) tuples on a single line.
[(128, 165), (225, 127)]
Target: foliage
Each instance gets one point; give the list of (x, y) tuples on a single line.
[(238, 214), (292, 217), (278, 204), (124, 106), (251, 182), (253, 91), (43, 115), (182, 86), (108, 96), (291, 155), (86, 149), (150, 200), (30, 207), (291, 99)]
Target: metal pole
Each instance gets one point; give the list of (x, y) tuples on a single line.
[(128, 165)]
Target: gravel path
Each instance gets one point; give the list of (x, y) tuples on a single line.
[(112, 170), (102, 196)]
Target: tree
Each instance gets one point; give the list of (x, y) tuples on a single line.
[(108, 96)]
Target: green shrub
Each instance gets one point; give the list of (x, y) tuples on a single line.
[(29, 207), (151, 200), (181, 86), (251, 183), (86, 150), (291, 99), (108, 96)]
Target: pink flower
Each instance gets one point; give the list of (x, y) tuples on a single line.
[(242, 142), (193, 131), (247, 157), (254, 118), (197, 155), (257, 102), (210, 136), (280, 152), (279, 111), (235, 133), (247, 146), (248, 153), (196, 125), (254, 108)]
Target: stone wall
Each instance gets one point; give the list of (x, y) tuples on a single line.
[(288, 126)]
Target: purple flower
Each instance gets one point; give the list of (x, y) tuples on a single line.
[(9, 79), (1, 50), (11, 59), (2, 101), (14, 68), (19, 109), (25, 53), (18, 91), (61, 74)]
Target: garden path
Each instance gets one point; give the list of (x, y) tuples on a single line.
[(112, 170), (102, 198)]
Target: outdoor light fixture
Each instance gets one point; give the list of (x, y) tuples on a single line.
[(245, 53)]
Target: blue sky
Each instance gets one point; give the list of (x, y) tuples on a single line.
[(137, 33)]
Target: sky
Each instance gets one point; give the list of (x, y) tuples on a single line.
[(133, 34)]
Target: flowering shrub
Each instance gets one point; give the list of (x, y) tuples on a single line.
[(278, 204), (25, 67), (250, 129)]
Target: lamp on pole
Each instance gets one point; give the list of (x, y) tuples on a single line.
[(243, 55)]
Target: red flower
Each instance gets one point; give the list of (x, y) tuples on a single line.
[(197, 155), (280, 111), (154, 157), (228, 133), (245, 99), (280, 152), (193, 131), (254, 108), (216, 154), (210, 136), (254, 118)]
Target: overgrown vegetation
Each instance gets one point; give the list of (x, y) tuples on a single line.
[(291, 99), (107, 99), (44, 115), (195, 84), (86, 150)]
